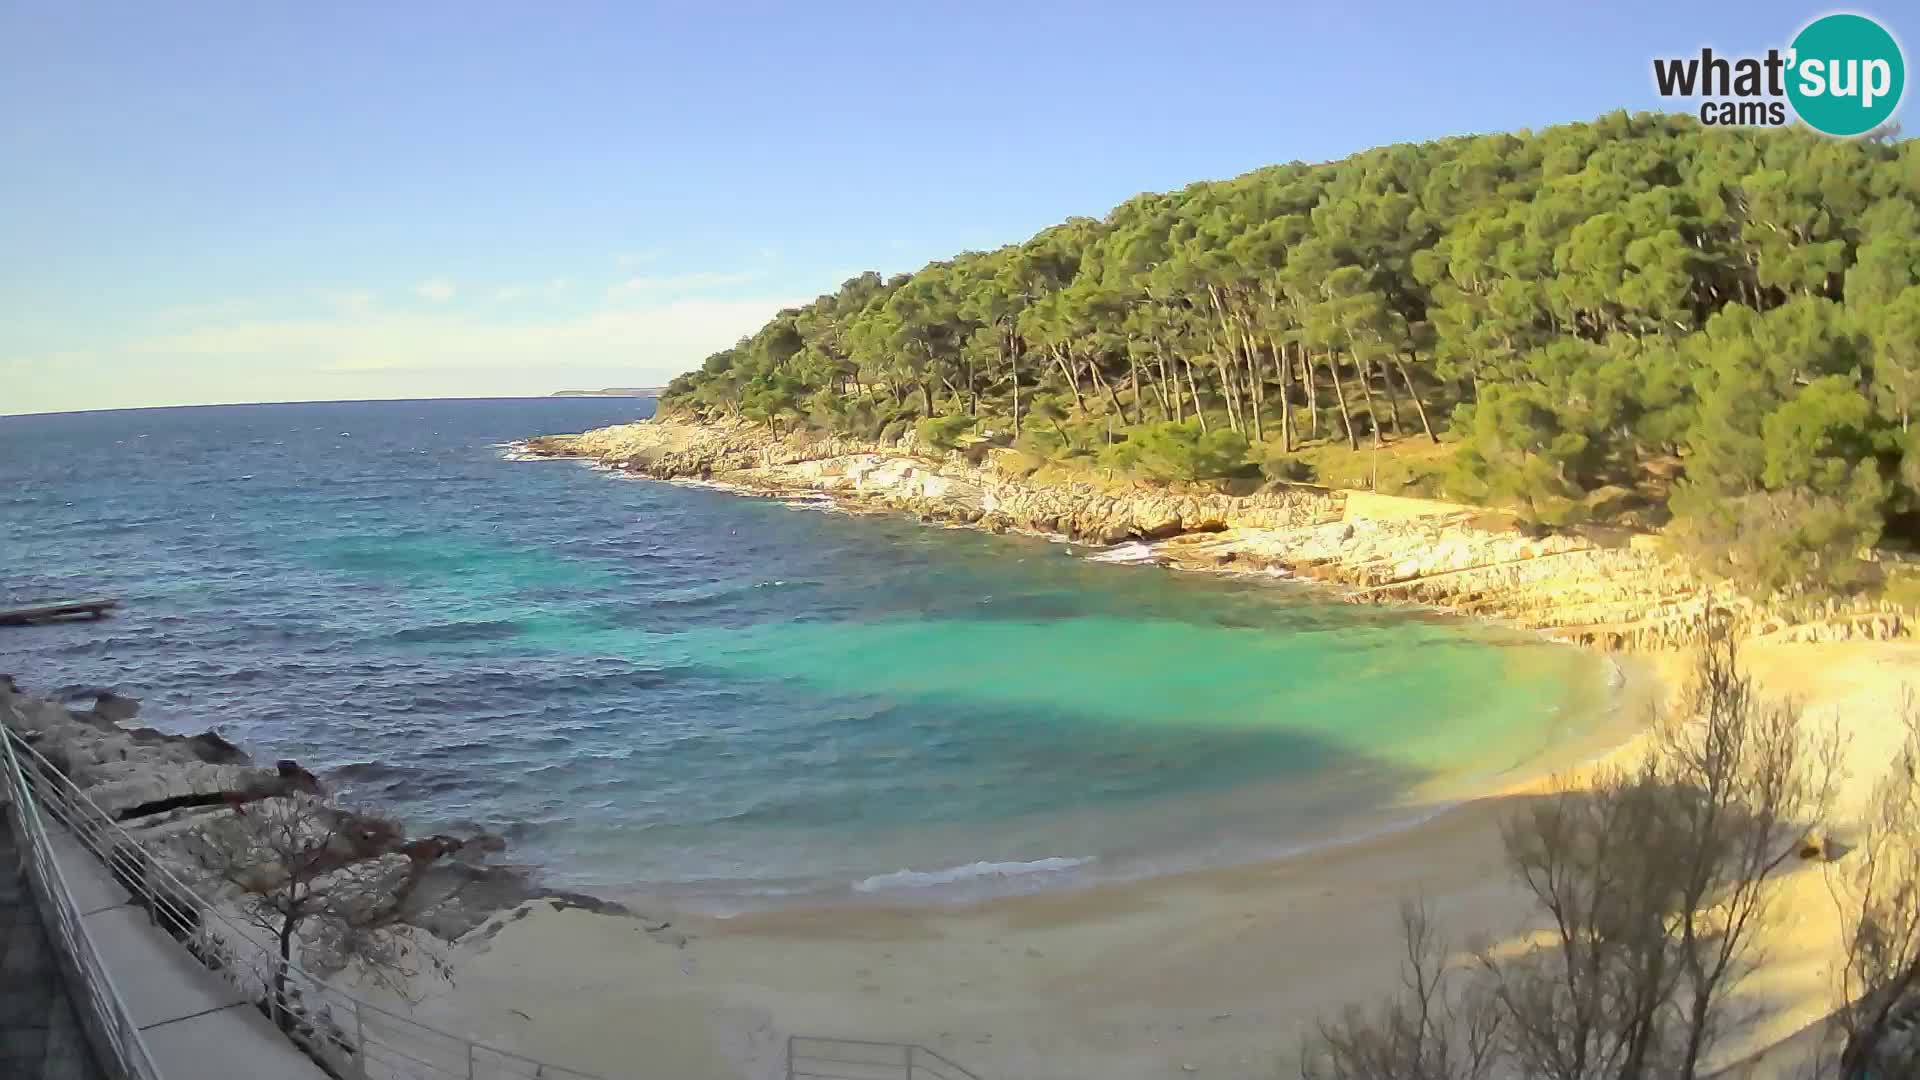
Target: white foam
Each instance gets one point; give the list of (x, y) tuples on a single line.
[(921, 879), (517, 451), (710, 485), (1133, 551)]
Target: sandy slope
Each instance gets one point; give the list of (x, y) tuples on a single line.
[(1208, 974)]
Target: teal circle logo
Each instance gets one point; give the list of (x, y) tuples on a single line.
[(1846, 74)]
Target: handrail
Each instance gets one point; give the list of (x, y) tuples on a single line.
[(114, 1035), (811, 1057), (346, 1034)]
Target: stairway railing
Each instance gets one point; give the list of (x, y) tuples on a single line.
[(349, 1036), (813, 1058), (111, 1032)]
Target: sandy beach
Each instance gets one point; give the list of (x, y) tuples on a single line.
[(1216, 973)]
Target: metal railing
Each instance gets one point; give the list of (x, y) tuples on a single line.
[(811, 1058), (90, 986), (349, 1036)]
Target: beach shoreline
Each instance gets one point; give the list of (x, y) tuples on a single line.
[(1605, 706), (1216, 972), (1212, 972)]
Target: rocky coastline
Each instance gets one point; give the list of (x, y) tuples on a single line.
[(164, 789), (1606, 588)]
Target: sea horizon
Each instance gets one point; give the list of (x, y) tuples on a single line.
[(553, 396)]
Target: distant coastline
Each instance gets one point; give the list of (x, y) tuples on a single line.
[(613, 391)]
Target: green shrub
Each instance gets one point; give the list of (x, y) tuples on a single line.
[(943, 431), (1287, 469), (1180, 451)]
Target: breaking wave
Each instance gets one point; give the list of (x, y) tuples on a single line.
[(921, 879)]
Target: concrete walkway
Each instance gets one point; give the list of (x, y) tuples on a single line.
[(195, 1024)]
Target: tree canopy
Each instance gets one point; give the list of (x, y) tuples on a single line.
[(1722, 322)]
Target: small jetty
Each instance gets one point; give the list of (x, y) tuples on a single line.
[(44, 613)]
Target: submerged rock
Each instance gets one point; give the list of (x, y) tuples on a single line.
[(214, 749), (114, 708)]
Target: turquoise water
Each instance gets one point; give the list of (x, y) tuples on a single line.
[(657, 688)]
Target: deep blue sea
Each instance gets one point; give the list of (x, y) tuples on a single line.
[(661, 689)]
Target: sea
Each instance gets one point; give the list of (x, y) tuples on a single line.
[(670, 691)]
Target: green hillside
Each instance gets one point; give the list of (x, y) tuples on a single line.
[(1638, 318)]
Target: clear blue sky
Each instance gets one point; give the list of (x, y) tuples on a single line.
[(233, 202)]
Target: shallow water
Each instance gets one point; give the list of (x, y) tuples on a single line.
[(670, 689)]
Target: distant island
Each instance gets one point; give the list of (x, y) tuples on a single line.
[(613, 391)]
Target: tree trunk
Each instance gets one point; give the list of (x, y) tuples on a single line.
[(1644, 1001), (1366, 395), (1170, 379), (1133, 380), (1340, 396), (1393, 398), (1418, 407), (1227, 391), (926, 394), (1013, 358), (1101, 381), (1255, 384), (1286, 396), (1313, 391), (1698, 1022), (1073, 377), (1199, 413), (1172, 407), (1227, 395)]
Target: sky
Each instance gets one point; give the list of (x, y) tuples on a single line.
[(223, 202)]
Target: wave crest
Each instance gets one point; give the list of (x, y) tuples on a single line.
[(921, 879)]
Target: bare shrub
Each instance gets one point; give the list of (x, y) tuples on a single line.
[(1652, 884), (303, 874), (1879, 895), (1442, 1025)]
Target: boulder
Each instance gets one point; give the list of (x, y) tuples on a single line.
[(211, 747), (114, 708)]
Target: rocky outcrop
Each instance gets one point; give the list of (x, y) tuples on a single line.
[(123, 769), (1564, 586), (938, 485), (164, 789), (1610, 589)]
